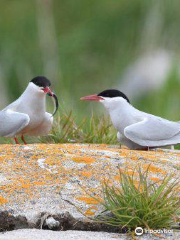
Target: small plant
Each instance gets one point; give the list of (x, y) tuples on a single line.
[(99, 130), (145, 204), (95, 130), (64, 130)]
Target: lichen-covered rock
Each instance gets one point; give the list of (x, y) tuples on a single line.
[(58, 178)]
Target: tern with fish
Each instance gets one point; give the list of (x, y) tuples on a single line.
[(27, 115)]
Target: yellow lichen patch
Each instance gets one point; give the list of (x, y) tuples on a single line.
[(136, 182), (50, 161), (123, 154), (154, 179), (87, 160), (39, 183), (117, 177), (149, 156), (91, 211), (107, 180), (88, 200), (153, 169), (24, 185), (86, 174), (3, 200), (106, 156), (134, 158), (131, 173), (126, 172), (164, 161)]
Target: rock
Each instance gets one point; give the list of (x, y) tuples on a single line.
[(70, 235), (7, 222), (52, 224), (58, 180), (34, 234)]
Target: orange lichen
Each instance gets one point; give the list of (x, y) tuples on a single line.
[(3, 200), (87, 160), (131, 173), (154, 179), (88, 200), (117, 177), (153, 169), (127, 172), (86, 174), (134, 158), (91, 211), (26, 185)]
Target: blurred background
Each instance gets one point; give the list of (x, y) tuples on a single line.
[(85, 47)]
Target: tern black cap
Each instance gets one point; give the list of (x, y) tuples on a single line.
[(111, 93), (41, 81)]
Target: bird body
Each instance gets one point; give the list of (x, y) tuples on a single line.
[(122, 117), (137, 129), (27, 115)]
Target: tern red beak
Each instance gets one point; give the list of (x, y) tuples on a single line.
[(92, 98), (48, 90)]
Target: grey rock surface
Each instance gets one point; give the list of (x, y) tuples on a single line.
[(34, 234)]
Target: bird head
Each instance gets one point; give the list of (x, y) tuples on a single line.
[(42, 85), (109, 98)]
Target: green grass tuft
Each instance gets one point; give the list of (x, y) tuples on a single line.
[(95, 130), (146, 204)]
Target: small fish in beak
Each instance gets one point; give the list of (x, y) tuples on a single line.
[(55, 100)]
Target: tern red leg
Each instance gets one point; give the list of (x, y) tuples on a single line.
[(16, 140), (23, 139)]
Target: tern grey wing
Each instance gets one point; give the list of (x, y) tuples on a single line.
[(12, 122), (154, 132)]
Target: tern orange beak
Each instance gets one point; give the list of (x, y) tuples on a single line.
[(48, 90), (92, 98)]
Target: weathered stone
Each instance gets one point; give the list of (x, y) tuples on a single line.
[(51, 223), (58, 178), (7, 222), (34, 234), (70, 235)]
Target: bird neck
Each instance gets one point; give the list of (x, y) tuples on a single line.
[(121, 114), (34, 98), (117, 104)]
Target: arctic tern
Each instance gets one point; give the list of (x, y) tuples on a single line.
[(27, 115), (136, 129)]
